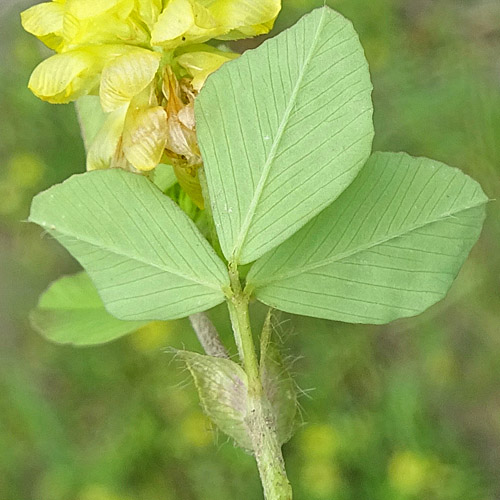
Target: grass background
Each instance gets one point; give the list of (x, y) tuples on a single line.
[(406, 411)]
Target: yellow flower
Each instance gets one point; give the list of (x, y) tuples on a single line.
[(196, 21), (146, 60), (199, 61), (411, 473)]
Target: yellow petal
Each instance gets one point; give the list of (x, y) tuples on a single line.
[(71, 28), (145, 136), (149, 10), (45, 21), (108, 28), (244, 18), (202, 62), (184, 22), (93, 8), (173, 22), (104, 151), (93, 22), (203, 18), (65, 77), (127, 76)]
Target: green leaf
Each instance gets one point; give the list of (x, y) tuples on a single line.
[(283, 130), (223, 390), (389, 247), (70, 311), (145, 256), (91, 117)]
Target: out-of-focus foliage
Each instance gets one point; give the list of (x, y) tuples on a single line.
[(408, 411)]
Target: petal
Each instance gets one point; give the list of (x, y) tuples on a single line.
[(149, 10), (71, 28), (127, 76), (202, 62), (65, 77), (94, 8), (182, 141), (186, 116), (103, 152), (244, 18), (203, 18), (45, 21), (173, 22), (185, 22), (145, 136), (109, 28)]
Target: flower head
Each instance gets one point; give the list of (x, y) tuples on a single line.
[(146, 60)]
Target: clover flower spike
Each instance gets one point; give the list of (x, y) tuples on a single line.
[(146, 60)]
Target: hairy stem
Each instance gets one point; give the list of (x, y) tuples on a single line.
[(261, 420), (208, 335)]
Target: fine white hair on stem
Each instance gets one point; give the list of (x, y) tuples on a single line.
[(208, 335)]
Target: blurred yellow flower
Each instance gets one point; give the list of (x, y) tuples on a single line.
[(138, 56), (98, 492), (319, 441), (321, 479), (24, 170), (409, 473), (197, 430), (152, 336)]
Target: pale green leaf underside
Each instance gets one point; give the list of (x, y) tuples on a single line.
[(70, 311), (145, 256), (91, 117), (389, 247), (283, 131)]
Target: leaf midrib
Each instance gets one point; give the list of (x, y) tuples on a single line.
[(325, 262), (242, 236)]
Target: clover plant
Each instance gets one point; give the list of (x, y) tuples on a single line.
[(218, 178)]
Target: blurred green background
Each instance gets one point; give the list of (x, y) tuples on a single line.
[(406, 411)]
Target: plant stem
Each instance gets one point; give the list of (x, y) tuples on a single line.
[(261, 420), (208, 335)]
